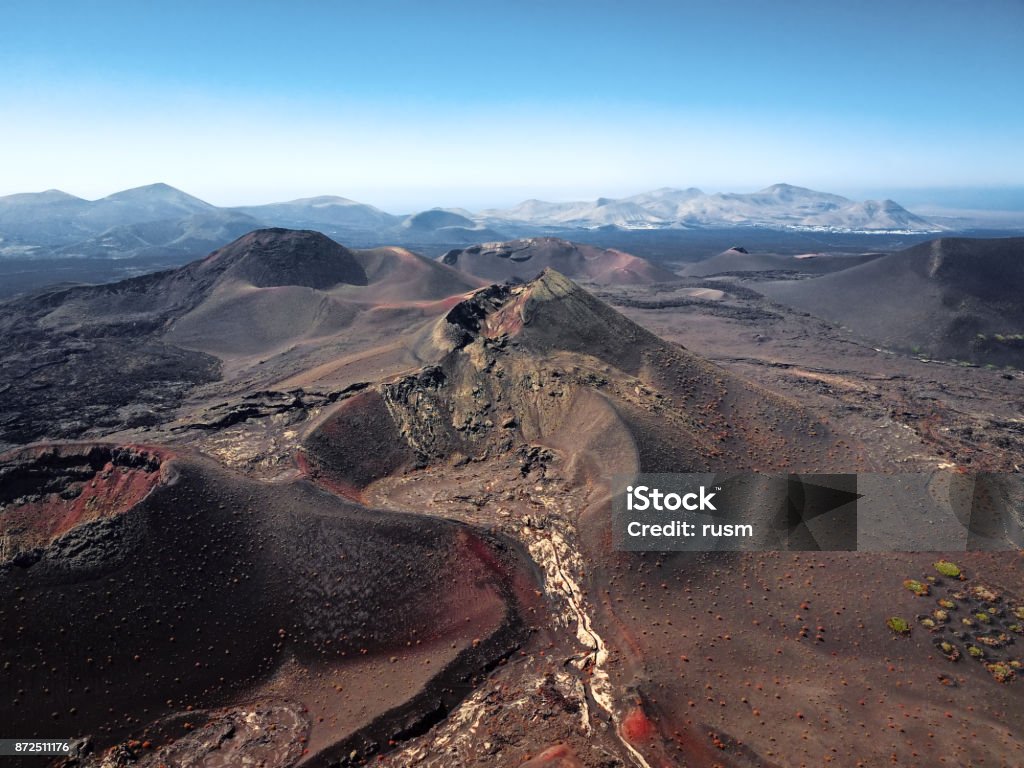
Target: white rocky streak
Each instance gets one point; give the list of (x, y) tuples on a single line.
[(552, 552), (576, 689)]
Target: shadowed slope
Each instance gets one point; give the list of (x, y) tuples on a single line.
[(952, 297), (276, 257), (739, 260)]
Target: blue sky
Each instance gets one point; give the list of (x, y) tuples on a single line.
[(411, 104)]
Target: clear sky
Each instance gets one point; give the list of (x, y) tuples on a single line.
[(413, 104)]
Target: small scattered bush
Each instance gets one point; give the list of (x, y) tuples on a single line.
[(898, 625), (950, 651), (919, 588), (1000, 672), (985, 593)]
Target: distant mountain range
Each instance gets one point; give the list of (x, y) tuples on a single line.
[(160, 220), (157, 219), (780, 206)]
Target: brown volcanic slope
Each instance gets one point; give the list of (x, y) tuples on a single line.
[(210, 597), (719, 659), (271, 258), (90, 360), (738, 260), (623, 398), (525, 259), (950, 298), (236, 321), (524, 403)]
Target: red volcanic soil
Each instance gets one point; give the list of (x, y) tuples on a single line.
[(45, 491), (637, 727), (778, 659)]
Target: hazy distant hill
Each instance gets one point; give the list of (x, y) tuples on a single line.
[(322, 212), (440, 225), (524, 259), (154, 218), (187, 236)]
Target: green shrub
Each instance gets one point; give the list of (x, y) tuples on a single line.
[(898, 625), (919, 588), (1000, 671)]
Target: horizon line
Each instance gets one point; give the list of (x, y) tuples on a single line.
[(863, 194)]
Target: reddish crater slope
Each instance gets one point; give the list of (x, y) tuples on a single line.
[(45, 491)]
